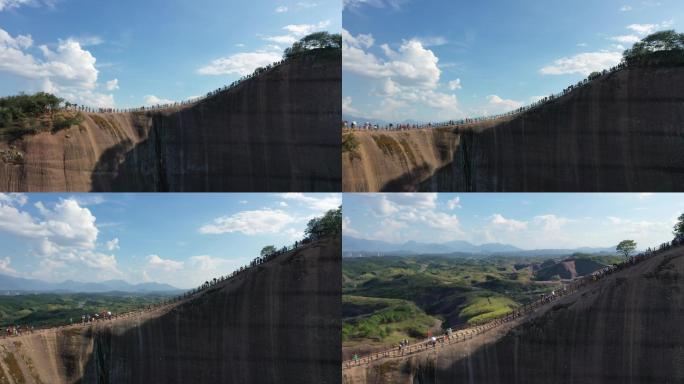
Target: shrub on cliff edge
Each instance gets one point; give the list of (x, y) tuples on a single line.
[(664, 48)]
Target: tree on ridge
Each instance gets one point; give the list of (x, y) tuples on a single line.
[(626, 247)]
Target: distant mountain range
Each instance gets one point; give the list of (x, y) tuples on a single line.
[(352, 246), (10, 283)]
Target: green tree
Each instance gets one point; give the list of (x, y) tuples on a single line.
[(329, 224), (626, 247), (267, 250), (660, 48), (594, 75), (317, 40), (14, 108), (679, 226)]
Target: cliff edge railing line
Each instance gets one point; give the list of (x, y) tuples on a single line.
[(462, 123), (463, 334), (160, 107), (17, 331)]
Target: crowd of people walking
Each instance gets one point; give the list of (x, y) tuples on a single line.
[(18, 330), (158, 107)]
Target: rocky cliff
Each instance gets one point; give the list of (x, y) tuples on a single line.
[(278, 131), (396, 161), (276, 323), (621, 132), (623, 329)]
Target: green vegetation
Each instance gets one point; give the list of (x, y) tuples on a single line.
[(329, 224), (57, 309), (17, 107), (480, 309), (315, 41), (626, 247), (379, 293), (350, 144), (387, 144), (679, 226), (664, 48), (267, 250), (385, 320), (22, 115), (103, 123), (594, 75), (66, 121)]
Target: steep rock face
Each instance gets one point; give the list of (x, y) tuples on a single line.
[(397, 161), (277, 323), (625, 329), (622, 132), (278, 131), (65, 161)]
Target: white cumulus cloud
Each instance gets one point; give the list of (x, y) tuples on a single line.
[(455, 84), (112, 244), (405, 77), (297, 31), (500, 105), (155, 261), (318, 202), (583, 63), (68, 71), (112, 85), (240, 63), (63, 238), (256, 222), (154, 100), (454, 203), (7, 4), (508, 224)]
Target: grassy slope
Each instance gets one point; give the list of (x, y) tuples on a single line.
[(30, 125), (387, 320)]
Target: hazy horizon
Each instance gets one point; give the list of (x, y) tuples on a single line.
[(524, 220)]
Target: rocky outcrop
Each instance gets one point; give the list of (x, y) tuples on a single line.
[(621, 132), (278, 131), (276, 323), (624, 329)]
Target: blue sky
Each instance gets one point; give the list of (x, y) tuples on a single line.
[(440, 59), (528, 221), (129, 53), (179, 239)]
